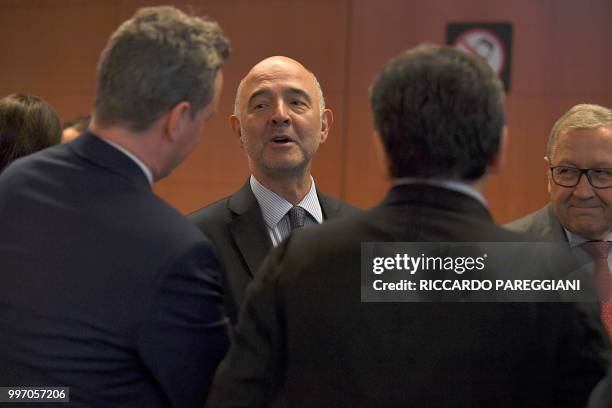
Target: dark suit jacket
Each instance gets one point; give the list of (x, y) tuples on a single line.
[(602, 394), (236, 227), (104, 288), (305, 339)]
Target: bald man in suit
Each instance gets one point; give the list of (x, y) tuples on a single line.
[(281, 120)]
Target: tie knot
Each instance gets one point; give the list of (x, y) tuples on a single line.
[(296, 217), (597, 249)]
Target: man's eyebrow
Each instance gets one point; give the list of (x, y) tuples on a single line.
[(300, 92), (292, 91), (256, 94)]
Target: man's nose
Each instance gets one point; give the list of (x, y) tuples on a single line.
[(583, 189), (280, 116)]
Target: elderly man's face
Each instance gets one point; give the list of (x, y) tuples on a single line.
[(582, 209), (280, 123)]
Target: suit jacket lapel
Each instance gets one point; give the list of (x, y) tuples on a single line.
[(248, 229), (551, 227), (329, 208)]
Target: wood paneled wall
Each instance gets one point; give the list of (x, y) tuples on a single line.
[(561, 56)]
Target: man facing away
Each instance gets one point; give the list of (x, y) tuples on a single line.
[(305, 339), (104, 287), (579, 158), (281, 119)]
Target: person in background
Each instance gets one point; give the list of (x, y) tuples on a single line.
[(71, 129), (27, 124), (579, 160)]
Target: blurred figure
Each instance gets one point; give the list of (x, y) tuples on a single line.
[(71, 129), (104, 287), (27, 124)]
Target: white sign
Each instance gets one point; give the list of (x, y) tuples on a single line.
[(485, 44)]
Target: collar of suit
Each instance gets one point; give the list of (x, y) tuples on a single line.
[(247, 223), (92, 148)]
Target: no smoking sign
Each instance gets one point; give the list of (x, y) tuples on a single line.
[(490, 41)]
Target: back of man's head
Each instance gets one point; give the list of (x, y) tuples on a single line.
[(27, 124), (439, 112), (153, 61)]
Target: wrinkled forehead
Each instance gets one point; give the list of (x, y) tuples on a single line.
[(278, 76), (587, 144)]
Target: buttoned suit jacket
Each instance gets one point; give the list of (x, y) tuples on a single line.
[(306, 339), (104, 288), (236, 227)]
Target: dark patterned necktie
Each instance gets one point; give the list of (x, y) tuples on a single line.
[(602, 278), (296, 217)]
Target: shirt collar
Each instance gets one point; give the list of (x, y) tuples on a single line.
[(454, 185), (147, 172), (274, 207), (575, 239)]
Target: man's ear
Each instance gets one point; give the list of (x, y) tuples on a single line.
[(178, 118), (235, 125), (327, 120), (499, 160), (385, 164), (548, 175)]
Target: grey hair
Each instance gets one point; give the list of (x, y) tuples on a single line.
[(582, 116), (320, 96), (153, 61)]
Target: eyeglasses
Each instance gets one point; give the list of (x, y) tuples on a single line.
[(570, 176)]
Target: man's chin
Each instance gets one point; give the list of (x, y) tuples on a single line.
[(290, 167), (591, 230)]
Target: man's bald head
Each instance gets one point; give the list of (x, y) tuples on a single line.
[(272, 63)]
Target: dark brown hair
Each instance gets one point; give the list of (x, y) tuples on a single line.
[(27, 124)]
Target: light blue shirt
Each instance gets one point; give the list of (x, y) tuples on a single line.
[(274, 209)]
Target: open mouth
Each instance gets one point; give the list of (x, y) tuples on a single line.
[(281, 140)]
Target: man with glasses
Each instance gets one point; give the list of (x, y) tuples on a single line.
[(579, 157)]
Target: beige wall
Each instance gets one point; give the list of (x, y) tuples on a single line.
[(561, 56)]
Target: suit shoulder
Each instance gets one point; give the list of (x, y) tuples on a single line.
[(215, 213), (529, 223), (336, 207), (166, 222)]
